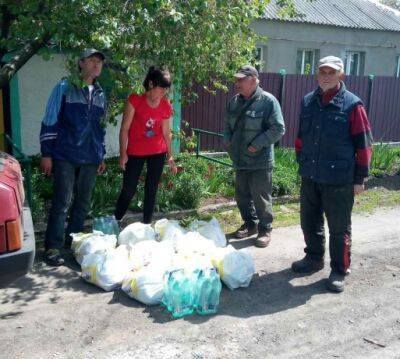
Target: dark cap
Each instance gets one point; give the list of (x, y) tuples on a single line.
[(245, 71), (90, 52)]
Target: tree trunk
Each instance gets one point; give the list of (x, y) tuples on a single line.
[(21, 57)]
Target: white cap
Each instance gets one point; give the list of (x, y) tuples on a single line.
[(333, 62)]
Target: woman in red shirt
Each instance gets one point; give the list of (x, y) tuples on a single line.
[(145, 136)]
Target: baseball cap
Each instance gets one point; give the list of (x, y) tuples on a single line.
[(333, 62), (246, 70), (89, 52)]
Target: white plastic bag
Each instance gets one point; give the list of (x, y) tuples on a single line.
[(194, 243), (145, 253), (211, 230), (77, 239), (218, 255), (236, 268), (145, 285), (136, 232), (91, 243), (171, 231), (106, 269), (162, 225), (190, 263)]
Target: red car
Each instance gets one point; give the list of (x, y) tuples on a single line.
[(17, 239)]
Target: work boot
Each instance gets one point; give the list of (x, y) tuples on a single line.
[(336, 282), (245, 231), (53, 257), (307, 265), (263, 238)]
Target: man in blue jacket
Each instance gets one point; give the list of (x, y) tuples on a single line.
[(72, 148), (333, 148)]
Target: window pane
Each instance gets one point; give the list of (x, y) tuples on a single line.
[(257, 56), (305, 61), (308, 61), (355, 58), (353, 63), (316, 59), (346, 63), (257, 53), (299, 61), (361, 66)]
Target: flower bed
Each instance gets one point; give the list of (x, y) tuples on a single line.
[(197, 180)]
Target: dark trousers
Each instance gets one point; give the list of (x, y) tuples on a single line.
[(337, 204), (69, 181), (133, 169), (253, 190)]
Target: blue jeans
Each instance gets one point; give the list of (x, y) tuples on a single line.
[(70, 181)]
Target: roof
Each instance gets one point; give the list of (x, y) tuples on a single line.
[(356, 14)]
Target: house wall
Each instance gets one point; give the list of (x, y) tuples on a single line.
[(35, 82), (285, 38)]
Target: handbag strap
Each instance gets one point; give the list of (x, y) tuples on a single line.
[(241, 113)]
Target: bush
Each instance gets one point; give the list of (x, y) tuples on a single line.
[(385, 160), (197, 178), (106, 190), (285, 178), (220, 180), (37, 208), (41, 191), (189, 190), (170, 195)]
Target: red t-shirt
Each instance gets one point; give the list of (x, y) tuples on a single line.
[(145, 134)]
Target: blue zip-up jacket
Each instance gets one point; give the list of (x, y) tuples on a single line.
[(73, 127)]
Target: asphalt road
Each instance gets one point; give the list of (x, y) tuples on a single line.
[(53, 313)]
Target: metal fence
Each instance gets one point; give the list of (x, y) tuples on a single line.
[(380, 94)]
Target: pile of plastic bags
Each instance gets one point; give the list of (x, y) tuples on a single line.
[(138, 260)]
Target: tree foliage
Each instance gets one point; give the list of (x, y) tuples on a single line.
[(203, 40), (392, 3)]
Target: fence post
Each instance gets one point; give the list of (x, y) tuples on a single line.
[(282, 73), (198, 145), (177, 116), (370, 88)]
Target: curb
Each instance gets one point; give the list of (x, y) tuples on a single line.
[(40, 227)]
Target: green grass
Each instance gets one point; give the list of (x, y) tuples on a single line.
[(288, 214), (375, 198), (385, 160), (285, 215)]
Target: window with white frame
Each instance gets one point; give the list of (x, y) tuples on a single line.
[(397, 67), (306, 61), (258, 56), (354, 63)]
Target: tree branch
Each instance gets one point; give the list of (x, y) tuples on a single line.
[(24, 54), (6, 19)]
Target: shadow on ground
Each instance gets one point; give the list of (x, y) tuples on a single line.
[(46, 279), (268, 293), (391, 183)]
